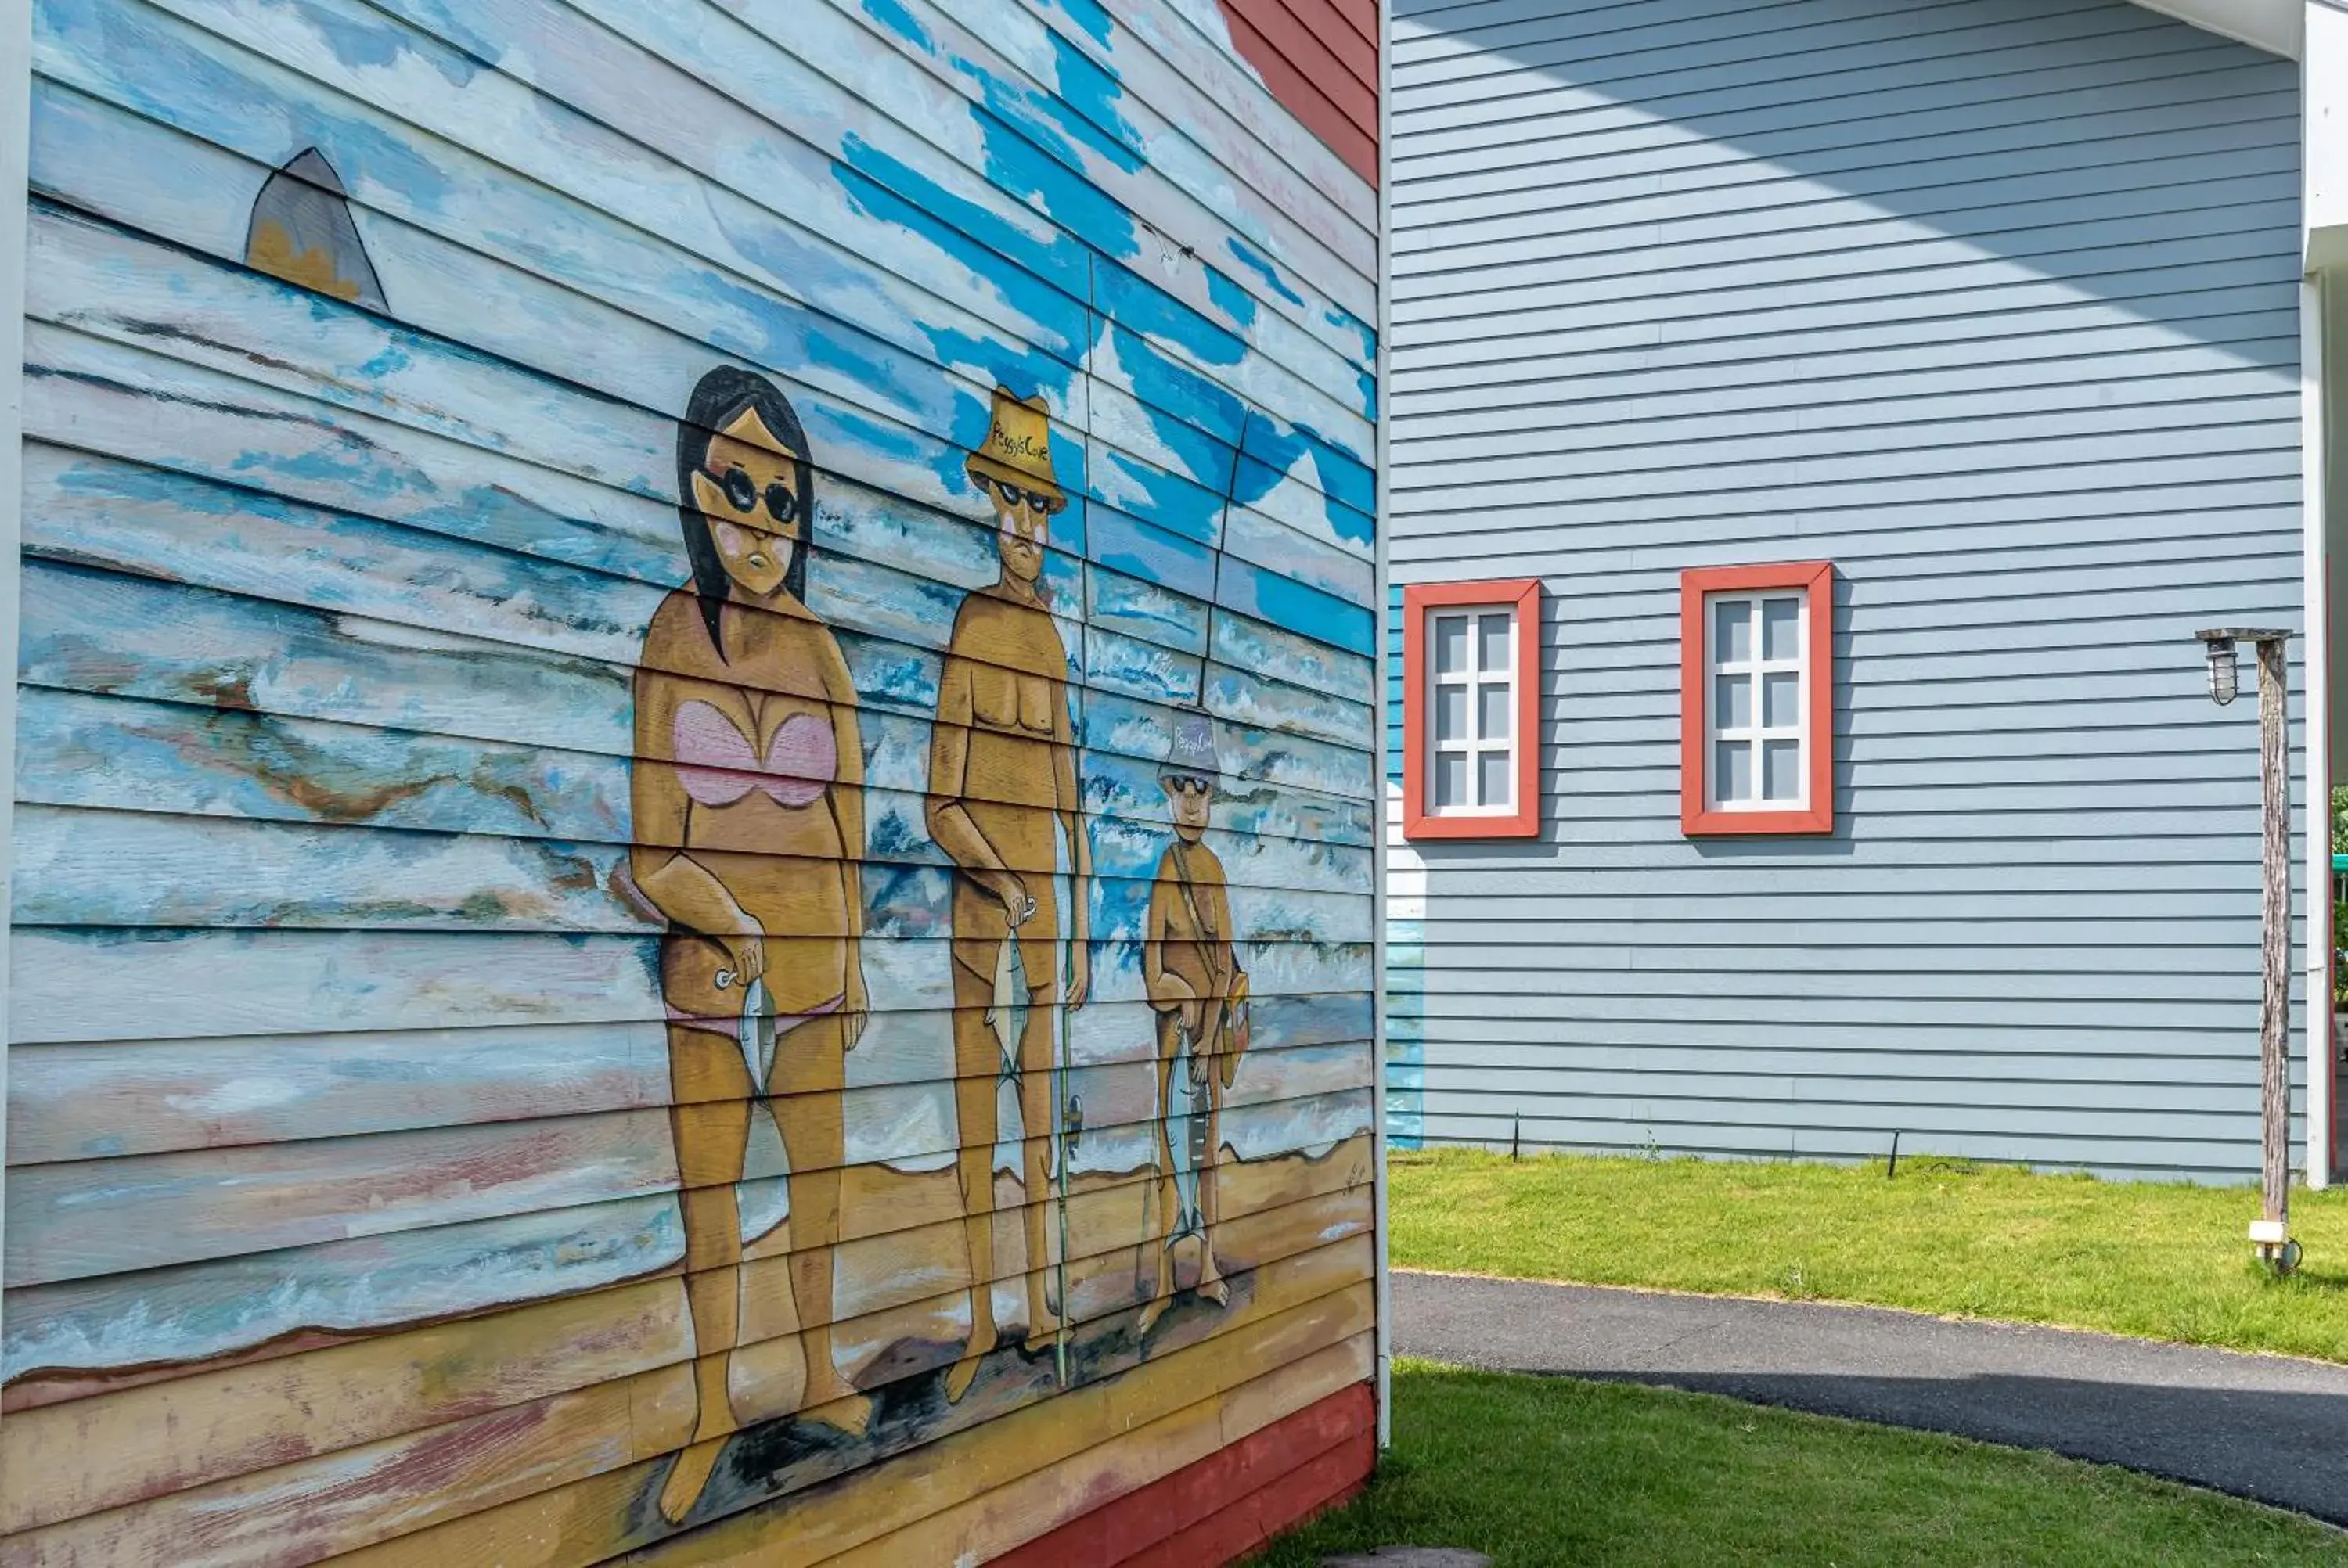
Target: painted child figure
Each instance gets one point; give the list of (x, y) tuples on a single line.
[(1191, 970)]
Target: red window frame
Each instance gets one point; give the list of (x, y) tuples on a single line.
[(1815, 579), (1522, 595)]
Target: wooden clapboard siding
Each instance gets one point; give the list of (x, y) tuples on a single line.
[(64, 1339), (530, 1448), (106, 510), (185, 1206), (359, 979), (211, 309), (91, 399), (175, 1208), (113, 1099), (237, 762), (1220, 1508), (1994, 307), (1326, 515), (258, 1401), (979, 49), (355, 877), (585, 63), (632, 275), (402, 1482), (208, 1425), (165, 1437), (345, 1211), (1008, 1516), (118, 1099), (577, 1525), (155, 1211)]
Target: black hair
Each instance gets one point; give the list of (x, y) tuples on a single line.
[(718, 399)]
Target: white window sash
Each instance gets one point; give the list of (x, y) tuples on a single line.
[(1473, 746), (1756, 734)]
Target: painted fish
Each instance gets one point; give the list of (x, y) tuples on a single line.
[(1190, 1081), (757, 1033), (1006, 1015)]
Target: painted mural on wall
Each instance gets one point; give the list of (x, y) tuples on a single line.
[(736, 758)]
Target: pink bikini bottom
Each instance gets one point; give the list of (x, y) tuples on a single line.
[(731, 1027)]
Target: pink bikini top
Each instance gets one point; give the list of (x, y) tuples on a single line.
[(718, 765)]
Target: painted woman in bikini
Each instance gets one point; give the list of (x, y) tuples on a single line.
[(749, 822)]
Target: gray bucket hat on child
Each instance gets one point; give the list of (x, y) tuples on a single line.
[(1193, 755)]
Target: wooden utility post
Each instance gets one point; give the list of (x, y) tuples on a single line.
[(2274, 1014), (2270, 1233)]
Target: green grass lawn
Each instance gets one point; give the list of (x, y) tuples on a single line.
[(1546, 1473), (2167, 1261)]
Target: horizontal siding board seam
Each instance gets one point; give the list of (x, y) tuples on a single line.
[(1811, 72), (127, 1252), (612, 300), (1157, 25), (1266, 296), (2203, 104), (2174, 71), (2039, 823), (1793, 34), (316, 1461)]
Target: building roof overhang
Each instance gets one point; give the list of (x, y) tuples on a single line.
[(2278, 26)]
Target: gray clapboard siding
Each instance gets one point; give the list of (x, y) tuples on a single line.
[(2168, 1157), (1991, 303), (2050, 1058)]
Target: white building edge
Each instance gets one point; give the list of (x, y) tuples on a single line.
[(2315, 34)]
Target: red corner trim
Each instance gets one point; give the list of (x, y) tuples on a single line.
[(1350, 132), (1417, 597), (1816, 578), (1219, 1508), (1248, 1527)]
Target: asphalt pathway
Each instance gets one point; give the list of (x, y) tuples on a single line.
[(2263, 1427)]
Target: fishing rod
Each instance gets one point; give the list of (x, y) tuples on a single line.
[(1067, 1128), (1189, 1218), (1223, 538)]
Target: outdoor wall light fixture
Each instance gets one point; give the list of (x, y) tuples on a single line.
[(2270, 1233), (2225, 664)]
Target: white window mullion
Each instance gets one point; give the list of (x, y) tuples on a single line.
[(1471, 740), (1757, 724)]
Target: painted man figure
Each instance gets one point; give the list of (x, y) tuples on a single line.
[(1002, 792), (1191, 968)]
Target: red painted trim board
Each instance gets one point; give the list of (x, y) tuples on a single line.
[(1232, 1497), (1309, 34), (1296, 92), (1332, 31), (1326, 1483), (1524, 594), (1815, 581), (1361, 16)]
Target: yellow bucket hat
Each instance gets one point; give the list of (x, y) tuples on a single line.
[(1019, 446)]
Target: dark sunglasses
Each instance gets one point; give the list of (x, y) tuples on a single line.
[(1190, 784), (1012, 495), (742, 494)]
